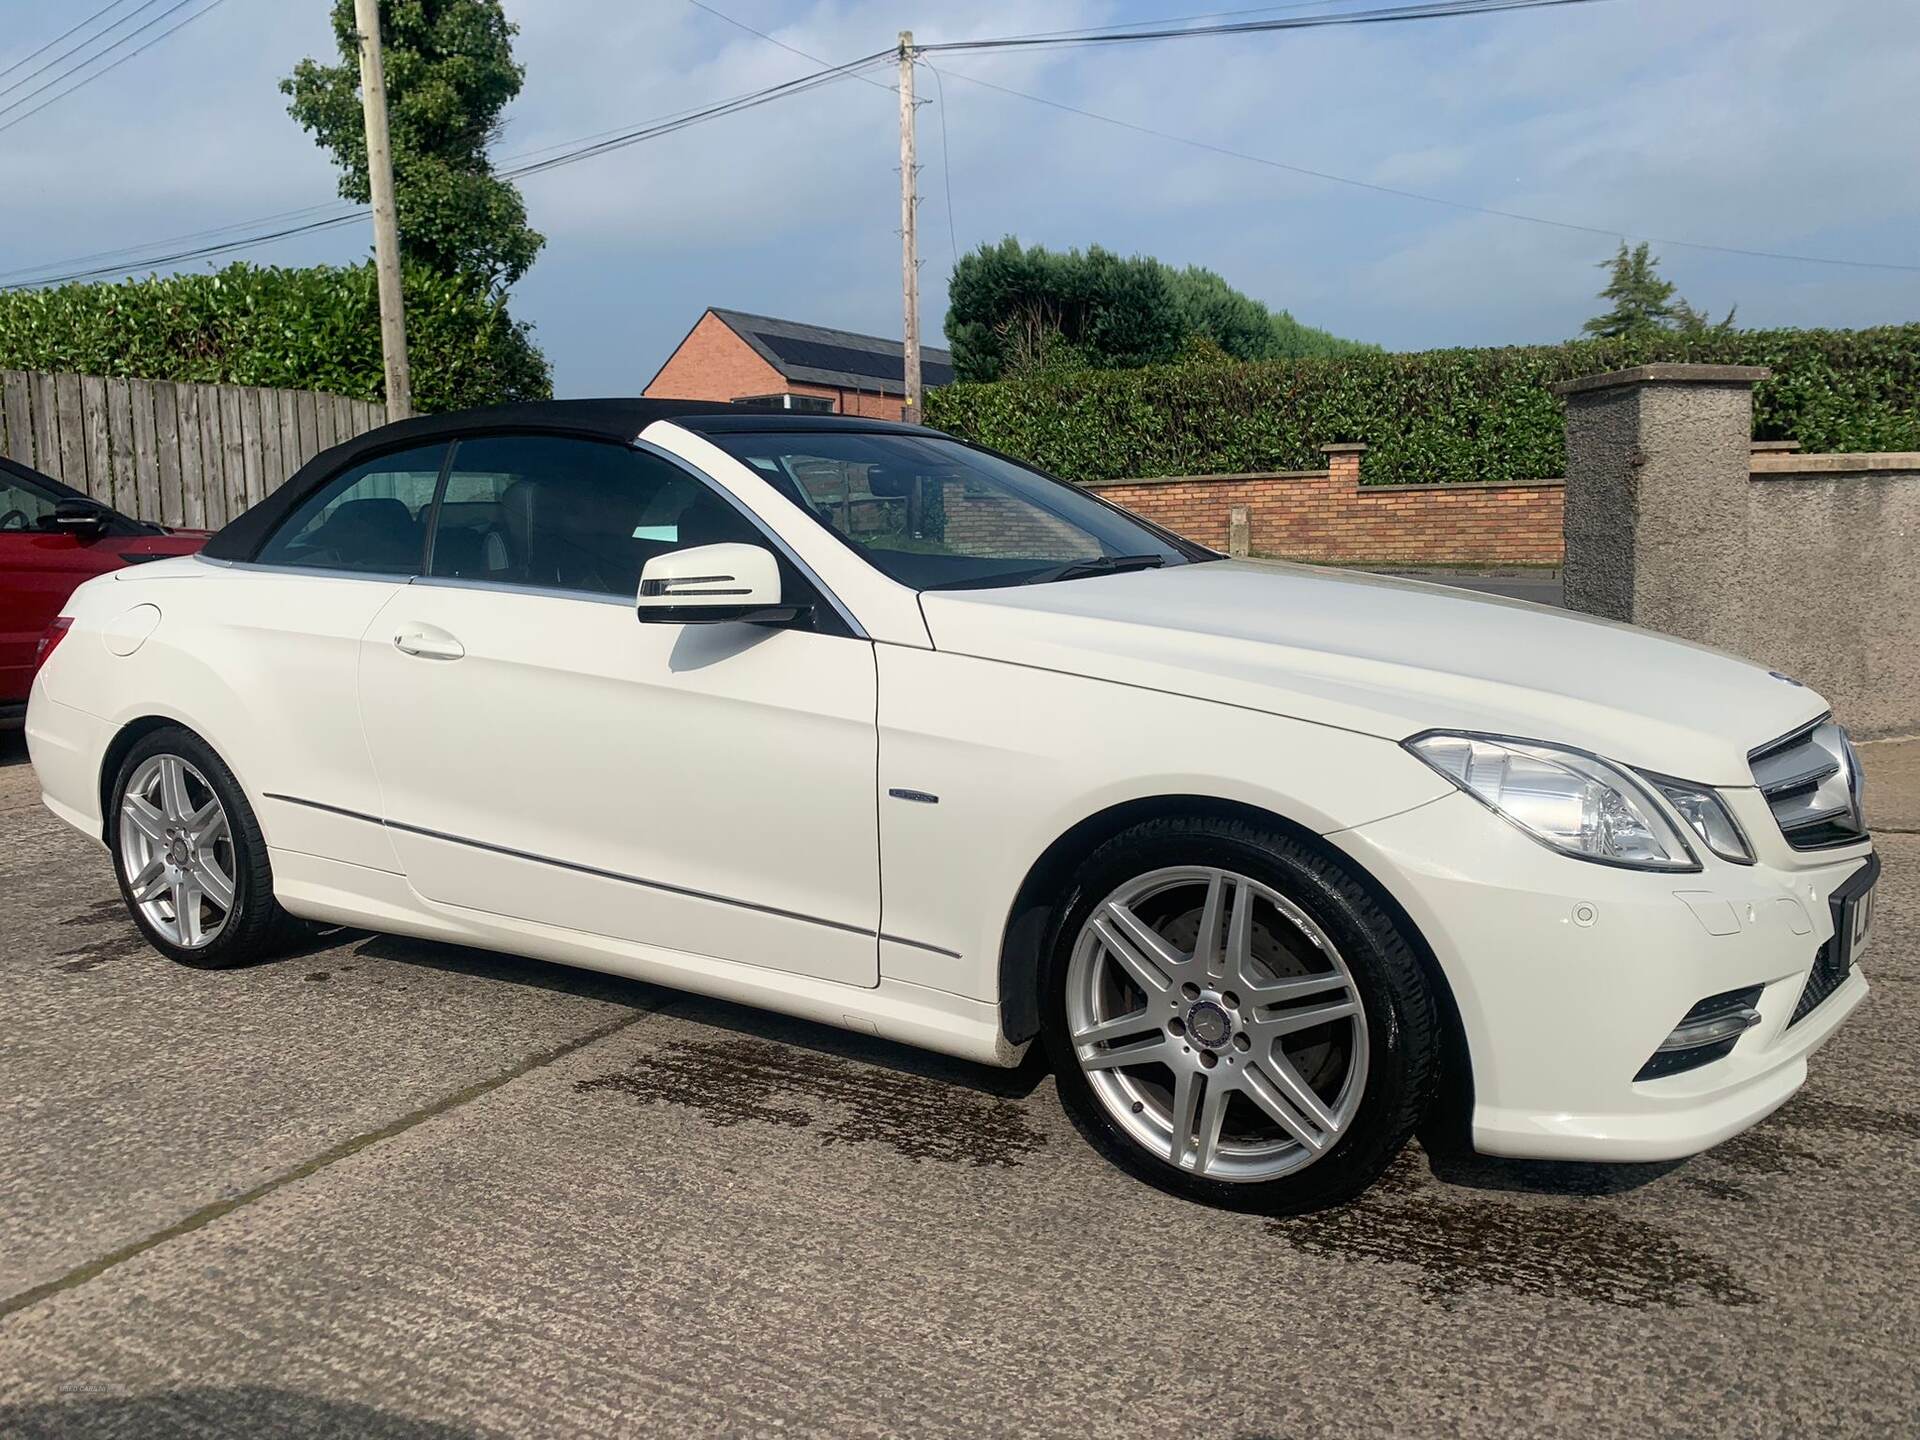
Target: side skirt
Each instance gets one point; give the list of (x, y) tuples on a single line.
[(353, 895)]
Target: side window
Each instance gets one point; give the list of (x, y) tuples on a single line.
[(571, 514), (372, 517), (23, 505)]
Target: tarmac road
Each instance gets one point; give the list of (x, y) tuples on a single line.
[(387, 1188)]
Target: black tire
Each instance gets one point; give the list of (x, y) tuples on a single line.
[(1402, 1020), (256, 927)]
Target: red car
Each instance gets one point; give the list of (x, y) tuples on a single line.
[(51, 538)]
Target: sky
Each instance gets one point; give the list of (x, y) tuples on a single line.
[(1772, 125)]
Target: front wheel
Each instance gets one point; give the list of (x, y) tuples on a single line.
[(1232, 1017), (190, 858)]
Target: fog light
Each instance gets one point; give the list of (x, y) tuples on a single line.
[(1706, 1033)]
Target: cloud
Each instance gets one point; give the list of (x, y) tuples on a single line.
[(1766, 125)]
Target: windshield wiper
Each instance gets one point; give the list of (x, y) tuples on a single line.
[(1096, 565)]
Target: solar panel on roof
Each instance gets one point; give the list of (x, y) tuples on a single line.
[(872, 364), (818, 355)]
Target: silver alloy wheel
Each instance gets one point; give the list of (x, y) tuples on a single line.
[(176, 850), (1218, 1025)]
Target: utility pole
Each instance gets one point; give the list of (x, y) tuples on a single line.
[(386, 227), (909, 244)]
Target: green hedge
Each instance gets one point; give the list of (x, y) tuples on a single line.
[(307, 329), (1438, 415)]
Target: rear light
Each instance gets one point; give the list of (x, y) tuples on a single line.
[(49, 642)]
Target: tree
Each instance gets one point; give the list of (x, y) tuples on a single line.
[(1643, 303), (1016, 309), (450, 72)]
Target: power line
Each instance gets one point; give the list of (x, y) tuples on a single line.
[(1171, 19), (729, 107), (205, 234), (25, 276), (1429, 199), (75, 69), (591, 147), (946, 169), (132, 54), (790, 49), (75, 30), (73, 50), (1436, 10)]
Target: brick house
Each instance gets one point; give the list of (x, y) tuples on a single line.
[(784, 365)]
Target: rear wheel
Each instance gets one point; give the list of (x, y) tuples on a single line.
[(1232, 1018), (190, 858)]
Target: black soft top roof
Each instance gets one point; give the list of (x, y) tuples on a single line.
[(614, 419)]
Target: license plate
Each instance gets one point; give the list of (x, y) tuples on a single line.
[(1859, 925), (1853, 915)]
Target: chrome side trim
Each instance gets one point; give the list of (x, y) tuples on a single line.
[(920, 945), (317, 572), (551, 592), (600, 874)]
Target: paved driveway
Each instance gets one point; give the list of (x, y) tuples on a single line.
[(386, 1188)]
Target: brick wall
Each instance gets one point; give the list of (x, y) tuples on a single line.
[(1329, 517), (713, 363)]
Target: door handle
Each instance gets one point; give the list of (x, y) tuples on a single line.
[(428, 643)]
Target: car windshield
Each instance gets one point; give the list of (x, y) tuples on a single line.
[(935, 514)]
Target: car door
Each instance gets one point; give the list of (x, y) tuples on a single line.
[(287, 627), (545, 756), (38, 569)]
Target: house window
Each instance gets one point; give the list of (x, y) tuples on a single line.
[(801, 404)]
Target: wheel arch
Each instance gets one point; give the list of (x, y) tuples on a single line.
[(1044, 893), (124, 739)]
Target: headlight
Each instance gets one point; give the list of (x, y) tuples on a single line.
[(1577, 804), (1707, 817)]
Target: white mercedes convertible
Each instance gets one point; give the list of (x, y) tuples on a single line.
[(858, 722)]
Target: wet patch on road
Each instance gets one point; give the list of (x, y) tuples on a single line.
[(1584, 1250), (101, 912), (124, 944), (733, 1080)]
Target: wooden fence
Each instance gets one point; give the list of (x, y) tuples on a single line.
[(171, 452)]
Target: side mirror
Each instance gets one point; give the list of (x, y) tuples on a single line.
[(706, 584), (82, 519)]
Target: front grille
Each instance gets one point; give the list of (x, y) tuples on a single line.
[(1811, 782)]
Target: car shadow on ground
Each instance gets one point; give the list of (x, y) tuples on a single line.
[(761, 1031), (207, 1410), (1544, 1177), (744, 1021)]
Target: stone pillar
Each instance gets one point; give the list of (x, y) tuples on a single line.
[(1343, 461), (1240, 532), (1658, 459)]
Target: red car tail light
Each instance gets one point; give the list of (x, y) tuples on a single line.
[(56, 632)]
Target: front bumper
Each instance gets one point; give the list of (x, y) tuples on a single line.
[(1568, 976)]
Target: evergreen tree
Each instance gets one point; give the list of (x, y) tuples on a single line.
[(1643, 304)]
